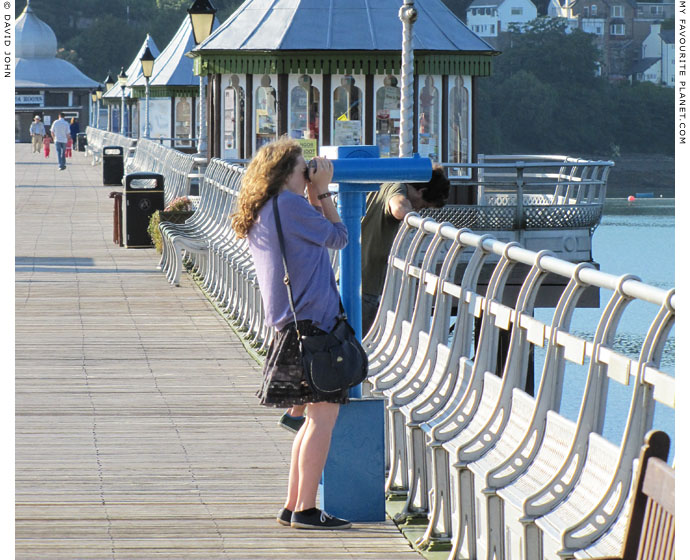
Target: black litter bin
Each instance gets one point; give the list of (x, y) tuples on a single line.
[(113, 165), (143, 196), (81, 141)]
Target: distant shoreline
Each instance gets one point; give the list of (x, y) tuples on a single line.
[(640, 173), (640, 206)]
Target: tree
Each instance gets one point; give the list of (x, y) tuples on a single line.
[(544, 97), (543, 48), (98, 36)]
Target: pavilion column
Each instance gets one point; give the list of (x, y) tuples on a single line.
[(408, 15), (248, 116)]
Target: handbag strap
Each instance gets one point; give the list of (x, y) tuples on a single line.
[(286, 278)]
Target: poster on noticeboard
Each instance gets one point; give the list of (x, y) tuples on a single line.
[(309, 148), (347, 133)]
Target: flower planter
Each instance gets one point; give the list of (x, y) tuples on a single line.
[(175, 217)]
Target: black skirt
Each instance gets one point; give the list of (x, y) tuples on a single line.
[(284, 384)]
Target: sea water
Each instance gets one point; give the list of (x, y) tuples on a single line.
[(635, 238)]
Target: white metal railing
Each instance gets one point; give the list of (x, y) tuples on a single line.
[(505, 472), (177, 142), (97, 139), (466, 445), (221, 260), (175, 166), (148, 155), (517, 192)]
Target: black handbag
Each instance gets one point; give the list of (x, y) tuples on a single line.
[(335, 361)]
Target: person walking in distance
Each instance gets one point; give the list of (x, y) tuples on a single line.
[(37, 131), (311, 225), (74, 129), (60, 132)]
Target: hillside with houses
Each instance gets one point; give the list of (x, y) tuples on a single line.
[(636, 39)]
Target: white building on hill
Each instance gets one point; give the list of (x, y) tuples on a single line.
[(657, 64), (488, 18)]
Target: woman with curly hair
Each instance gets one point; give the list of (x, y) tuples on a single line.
[(311, 225)]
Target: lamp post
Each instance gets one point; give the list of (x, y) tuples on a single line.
[(122, 80), (99, 94), (408, 15), (109, 83), (202, 13), (94, 98), (147, 59)]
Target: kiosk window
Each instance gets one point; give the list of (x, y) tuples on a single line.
[(183, 119), (428, 129), (265, 111), (458, 126), (347, 113), (388, 118), (232, 115), (304, 110)]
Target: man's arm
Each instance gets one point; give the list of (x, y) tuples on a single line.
[(399, 206)]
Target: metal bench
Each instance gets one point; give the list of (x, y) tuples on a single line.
[(219, 259), (488, 454), (96, 139)]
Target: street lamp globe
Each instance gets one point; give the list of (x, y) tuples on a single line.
[(122, 77), (147, 59), (109, 82), (202, 14)]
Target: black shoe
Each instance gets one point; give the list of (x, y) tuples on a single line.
[(316, 519), (291, 423), (284, 517)]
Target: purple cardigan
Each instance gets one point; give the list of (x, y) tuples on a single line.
[(308, 236)]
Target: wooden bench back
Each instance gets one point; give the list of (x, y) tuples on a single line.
[(651, 533), (658, 538)]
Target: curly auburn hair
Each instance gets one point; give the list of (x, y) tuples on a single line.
[(266, 174)]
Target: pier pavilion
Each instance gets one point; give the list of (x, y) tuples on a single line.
[(173, 90), (329, 74), (44, 84), (112, 99)]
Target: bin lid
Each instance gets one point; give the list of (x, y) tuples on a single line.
[(112, 150), (144, 181)]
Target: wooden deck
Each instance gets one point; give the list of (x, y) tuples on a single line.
[(138, 435)]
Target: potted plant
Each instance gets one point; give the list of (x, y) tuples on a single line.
[(178, 211)]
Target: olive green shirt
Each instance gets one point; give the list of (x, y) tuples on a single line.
[(379, 228)]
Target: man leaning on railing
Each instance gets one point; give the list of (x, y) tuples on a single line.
[(386, 208)]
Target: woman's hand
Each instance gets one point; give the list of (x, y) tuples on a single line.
[(318, 184), (320, 178)]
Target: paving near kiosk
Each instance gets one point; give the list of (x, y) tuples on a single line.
[(138, 434)]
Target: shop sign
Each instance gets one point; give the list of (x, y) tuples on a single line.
[(28, 99)]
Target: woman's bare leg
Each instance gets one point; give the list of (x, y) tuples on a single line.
[(312, 443), (293, 480)]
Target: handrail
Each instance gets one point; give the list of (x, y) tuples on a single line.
[(629, 286), (552, 474)]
